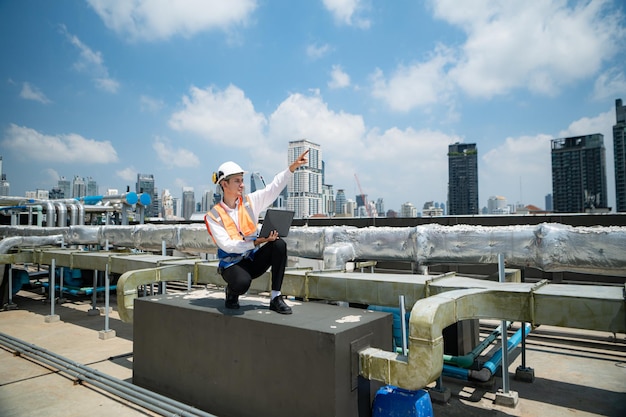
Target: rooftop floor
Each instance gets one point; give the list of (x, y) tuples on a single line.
[(577, 373)]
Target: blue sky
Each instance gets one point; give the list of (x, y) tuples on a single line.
[(108, 89)]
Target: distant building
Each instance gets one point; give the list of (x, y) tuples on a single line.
[(5, 187), (55, 193), (145, 184), (92, 187), (408, 210), (79, 188), (462, 179), (497, 205), (65, 187), (548, 200), (430, 210), (189, 202), (340, 201), (380, 206), (305, 187), (167, 205), (38, 194), (619, 154), (328, 200), (256, 182), (207, 201), (579, 174)]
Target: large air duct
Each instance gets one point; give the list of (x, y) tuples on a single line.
[(548, 247)]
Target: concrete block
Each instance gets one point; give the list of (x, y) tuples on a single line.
[(509, 399), (255, 362), (106, 334), (440, 396), (525, 374), (52, 318)]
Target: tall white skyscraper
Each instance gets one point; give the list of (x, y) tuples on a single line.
[(305, 188)]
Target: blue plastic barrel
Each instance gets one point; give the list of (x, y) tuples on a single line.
[(391, 401)]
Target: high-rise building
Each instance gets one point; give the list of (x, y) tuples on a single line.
[(497, 205), (340, 201), (65, 187), (79, 188), (548, 202), (408, 210), (328, 200), (380, 206), (189, 202), (5, 187), (579, 174), (305, 187), (619, 154), (167, 205), (462, 179), (256, 182), (145, 184), (207, 201), (92, 187)]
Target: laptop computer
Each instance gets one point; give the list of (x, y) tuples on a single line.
[(279, 220)]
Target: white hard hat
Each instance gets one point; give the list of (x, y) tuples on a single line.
[(226, 170)]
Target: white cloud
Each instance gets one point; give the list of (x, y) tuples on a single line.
[(127, 174), (301, 116), (51, 175), (171, 157), (348, 12), (417, 85), (542, 46), (224, 117), (315, 51), (30, 92), (158, 20), (395, 164), (338, 78), (519, 169), (150, 104), (68, 148), (91, 63), (609, 85)]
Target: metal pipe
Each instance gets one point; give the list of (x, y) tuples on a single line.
[(61, 214), (505, 352), (141, 396), (489, 367), (51, 286), (403, 325), (467, 361)]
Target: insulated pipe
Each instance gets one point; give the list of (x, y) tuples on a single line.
[(49, 212), (548, 247), (73, 214), (141, 396), (429, 317), (9, 243), (61, 214)]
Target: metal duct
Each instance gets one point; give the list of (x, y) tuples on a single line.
[(8, 243), (61, 214), (549, 247)]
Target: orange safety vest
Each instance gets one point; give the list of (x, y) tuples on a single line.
[(247, 224)]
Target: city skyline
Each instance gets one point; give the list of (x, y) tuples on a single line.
[(383, 88)]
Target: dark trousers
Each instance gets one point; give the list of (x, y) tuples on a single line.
[(240, 276)]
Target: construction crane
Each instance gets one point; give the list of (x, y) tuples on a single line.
[(363, 198)]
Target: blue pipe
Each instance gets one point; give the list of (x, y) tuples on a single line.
[(455, 372), (489, 367)]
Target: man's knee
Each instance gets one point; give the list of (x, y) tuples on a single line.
[(280, 246)]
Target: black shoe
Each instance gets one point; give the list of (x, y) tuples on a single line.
[(278, 305), (232, 300)]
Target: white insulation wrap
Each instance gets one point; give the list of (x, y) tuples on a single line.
[(550, 247)]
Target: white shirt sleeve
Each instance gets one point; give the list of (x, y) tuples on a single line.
[(262, 199)]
